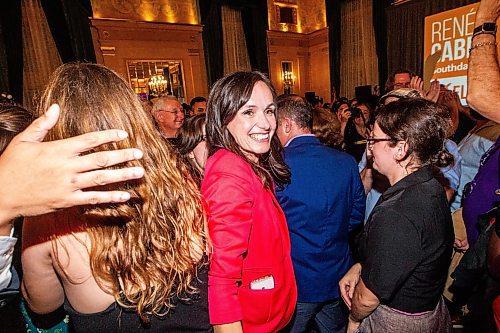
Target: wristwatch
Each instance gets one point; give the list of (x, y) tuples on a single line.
[(486, 28)]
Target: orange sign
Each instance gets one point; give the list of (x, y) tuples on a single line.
[(450, 33)]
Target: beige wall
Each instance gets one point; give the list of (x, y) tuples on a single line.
[(291, 47), (169, 30), (304, 44), (309, 56), (320, 64), (311, 15), (115, 42)]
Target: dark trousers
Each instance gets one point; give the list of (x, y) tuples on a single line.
[(329, 317)]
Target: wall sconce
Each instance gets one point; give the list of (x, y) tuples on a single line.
[(287, 76), (157, 85)]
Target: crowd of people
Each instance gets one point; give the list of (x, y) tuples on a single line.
[(253, 212)]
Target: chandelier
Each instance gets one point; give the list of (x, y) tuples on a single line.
[(157, 85), (288, 81)]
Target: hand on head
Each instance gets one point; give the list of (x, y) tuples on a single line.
[(39, 177)]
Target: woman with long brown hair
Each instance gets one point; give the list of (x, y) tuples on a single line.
[(135, 266), (192, 145), (251, 280)]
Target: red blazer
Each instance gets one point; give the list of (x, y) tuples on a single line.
[(250, 240)]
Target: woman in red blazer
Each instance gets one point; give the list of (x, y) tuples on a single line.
[(251, 283)]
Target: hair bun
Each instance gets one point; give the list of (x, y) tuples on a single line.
[(443, 158)]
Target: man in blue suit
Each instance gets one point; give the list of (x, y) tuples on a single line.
[(324, 201)]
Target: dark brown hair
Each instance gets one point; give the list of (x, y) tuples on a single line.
[(190, 135), (13, 120), (326, 127), (227, 96), (422, 124), (197, 99)]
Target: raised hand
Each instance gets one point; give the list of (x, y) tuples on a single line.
[(417, 84), (39, 177), (344, 115), (433, 93)]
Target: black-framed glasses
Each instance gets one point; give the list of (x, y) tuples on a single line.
[(372, 140)]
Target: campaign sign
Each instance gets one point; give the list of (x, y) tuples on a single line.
[(450, 34)]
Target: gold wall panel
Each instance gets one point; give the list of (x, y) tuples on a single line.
[(163, 11), (309, 58), (118, 43), (311, 15)]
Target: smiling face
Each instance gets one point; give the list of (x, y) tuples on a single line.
[(366, 112), (174, 114), (169, 116), (254, 124)]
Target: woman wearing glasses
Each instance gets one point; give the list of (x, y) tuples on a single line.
[(169, 116), (251, 284), (406, 245)]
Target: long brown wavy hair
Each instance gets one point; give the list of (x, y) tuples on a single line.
[(144, 248)]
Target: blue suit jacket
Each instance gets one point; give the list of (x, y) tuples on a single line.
[(323, 202)]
